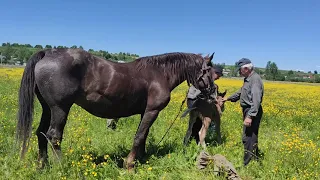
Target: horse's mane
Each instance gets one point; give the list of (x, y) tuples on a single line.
[(171, 63)]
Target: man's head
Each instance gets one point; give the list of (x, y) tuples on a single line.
[(217, 72), (244, 66)]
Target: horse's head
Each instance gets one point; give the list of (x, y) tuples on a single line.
[(205, 80)]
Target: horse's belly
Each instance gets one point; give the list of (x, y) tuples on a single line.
[(102, 107)]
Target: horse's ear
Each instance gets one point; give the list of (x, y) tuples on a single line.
[(211, 57), (208, 59)]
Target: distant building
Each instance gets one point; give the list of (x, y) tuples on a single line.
[(226, 71)]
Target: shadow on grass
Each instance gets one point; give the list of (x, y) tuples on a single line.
[(119, 155)]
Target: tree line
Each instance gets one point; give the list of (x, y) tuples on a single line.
[(272, 73), (15, 53)]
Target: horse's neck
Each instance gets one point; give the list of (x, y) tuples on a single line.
[(175, 81)]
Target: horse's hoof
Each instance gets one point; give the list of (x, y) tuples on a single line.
[(128, 165), (42, 165)]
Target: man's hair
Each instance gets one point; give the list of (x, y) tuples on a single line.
[(249, 66)]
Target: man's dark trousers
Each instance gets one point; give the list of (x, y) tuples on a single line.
[(250, 136)]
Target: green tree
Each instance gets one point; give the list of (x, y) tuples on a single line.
[(80, 47), (7, 51), (233, 71), (38, 46), (28, 45), (108, 56), (28, 55), (15, 45), (290, 73), (6, 44), (271, 71), (258, 71), (22, 54), (74, 47), (48, 46), (315, 72)]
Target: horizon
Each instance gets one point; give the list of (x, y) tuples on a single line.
[(283, 32)]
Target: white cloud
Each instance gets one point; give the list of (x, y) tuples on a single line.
[(318, 66)]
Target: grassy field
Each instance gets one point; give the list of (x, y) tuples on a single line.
[(289, 138)]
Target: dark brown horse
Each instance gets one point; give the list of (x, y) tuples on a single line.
[(63, 77)]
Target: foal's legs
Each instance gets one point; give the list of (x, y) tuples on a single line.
[(203, 131), (217, 128), (217, 120), (192, 120)]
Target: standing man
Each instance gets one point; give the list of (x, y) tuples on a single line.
[(250, 96)]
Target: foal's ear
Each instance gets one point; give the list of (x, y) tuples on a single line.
[(224, 93)]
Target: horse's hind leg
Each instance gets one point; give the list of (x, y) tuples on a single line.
[(59, 115), (42, 130)]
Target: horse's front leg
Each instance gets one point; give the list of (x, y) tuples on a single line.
[(203, 131), (139, 144)]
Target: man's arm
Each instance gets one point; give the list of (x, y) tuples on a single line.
[(256, 93), (235, 97)]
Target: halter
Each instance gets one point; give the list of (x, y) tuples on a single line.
[(209, 90)]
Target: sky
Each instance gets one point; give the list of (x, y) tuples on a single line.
[(285, 32)]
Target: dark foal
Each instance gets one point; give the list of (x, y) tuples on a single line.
[(201, 117), (63, 77)]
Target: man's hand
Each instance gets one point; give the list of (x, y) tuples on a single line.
[(247, 121)]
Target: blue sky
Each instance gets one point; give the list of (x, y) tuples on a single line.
[(285, 32)]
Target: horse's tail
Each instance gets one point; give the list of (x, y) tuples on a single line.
[(26, 101)]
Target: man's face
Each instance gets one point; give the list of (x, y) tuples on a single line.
[(244, 71)]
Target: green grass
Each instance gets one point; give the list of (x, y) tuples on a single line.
[(91, 151)]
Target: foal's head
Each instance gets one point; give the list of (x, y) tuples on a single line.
[(220, 96)]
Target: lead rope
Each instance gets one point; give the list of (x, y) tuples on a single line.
[(184, 100)]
